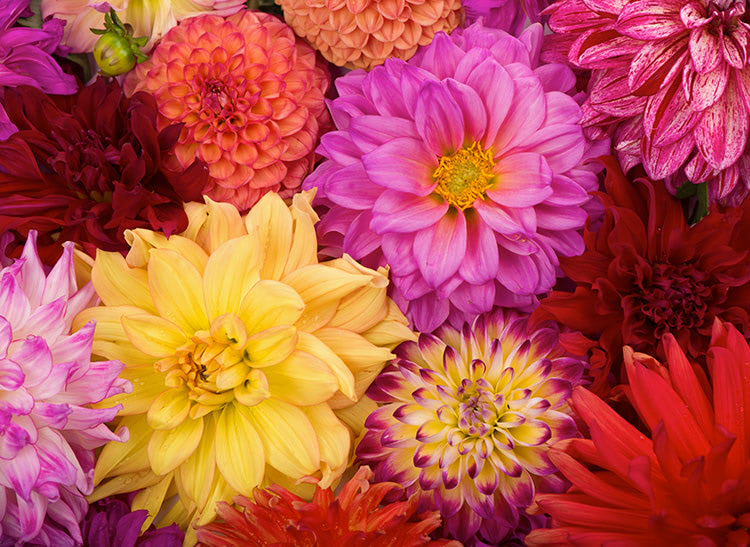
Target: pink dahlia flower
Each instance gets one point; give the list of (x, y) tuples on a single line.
[(508, 15), (463, 169), (47, 382), (670, 82), (468, 420)]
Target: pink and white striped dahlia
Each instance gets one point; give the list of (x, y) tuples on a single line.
[(468, 420), (47, 381), (463, 169), (670, 82)]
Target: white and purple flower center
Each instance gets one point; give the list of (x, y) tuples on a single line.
[(465, 175)]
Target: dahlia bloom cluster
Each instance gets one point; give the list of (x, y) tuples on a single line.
[(249, 96), (669, 82), (47, 382), (241, 347), (467, 421)]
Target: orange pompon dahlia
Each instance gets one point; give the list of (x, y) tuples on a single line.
[(250, 95), (277, 517), (688, 483), (364, 33)]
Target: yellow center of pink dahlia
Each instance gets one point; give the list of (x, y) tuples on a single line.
[(465, 175)]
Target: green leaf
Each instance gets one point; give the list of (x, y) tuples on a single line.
[(701, 209), (686, 190), (35, 21)]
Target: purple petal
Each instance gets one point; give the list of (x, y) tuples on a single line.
[(402, 164), (405, 213), (517, 273), (350, 187), (480, 262), (369, 132), (440, 249)]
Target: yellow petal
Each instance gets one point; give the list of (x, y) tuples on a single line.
[(301, 379), (311, 344), (271, 222), (271, 346), (355, 350), (232, 269), (195, 476), (168, 449), (229, 329), (289, 440), (356, 415), (153, 335), (268, 304), (321, 288), (221, 491), (212, 224), (151, 499), (334, 439), (169, 409), (253, 390), (110, 340), (122, 484), (177, 289), (127, 457), (304, 247), (147, 240), (82, 264), (231, 377), (365, 307), (239, 451), (147, 385), (119, 285), (393, 330)]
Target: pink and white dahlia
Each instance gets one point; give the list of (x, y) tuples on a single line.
[(463, 169), (468, 420), (670, 83), (47, 382)]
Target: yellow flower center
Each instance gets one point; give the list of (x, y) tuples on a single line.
[(215, 368), (465, 175)]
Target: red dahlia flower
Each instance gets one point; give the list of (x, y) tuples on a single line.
[(354, 517), (688, 484), (86, 167), (646, 272)]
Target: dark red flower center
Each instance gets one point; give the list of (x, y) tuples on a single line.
[(675, 298)]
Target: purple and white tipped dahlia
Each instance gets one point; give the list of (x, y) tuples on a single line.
[(468, 419), (463, 169), (47, 432)]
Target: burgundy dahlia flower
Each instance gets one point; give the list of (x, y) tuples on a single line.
[(464, 170), (86, 167), (26, 57), (646, 273), (670, 83)]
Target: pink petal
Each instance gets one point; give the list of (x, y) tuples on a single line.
[(98, 383), (603, 48), (574, 17), (610, 94), (22, 472), (560, 218), (481, 259), (359, 240), (705, 49), (47, 319), (650, 19), (528, 112), (656, 64), (35, 359), (6, 336), (555, 77), (566, 191), (668, 118), (442, 57), (439, 119), (500, 219), (517, 273), (494, 86), (562, 146), (613, 7), (369, 132), (693, 15), (14, 306), (402, 164), (428, 313), (703, 90), (405, 213), (721, 135), (523, 180), (468, 101), (735, 47), (440, 249), (397, 249), (474, 299), (61, 281), (383, 91), (32, 273), (660, 161), (350, 187)]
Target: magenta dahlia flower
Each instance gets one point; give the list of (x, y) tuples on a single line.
[(508, 15), (26, 57), (468, 420), (463, 169), (670, 82), (47, 429)]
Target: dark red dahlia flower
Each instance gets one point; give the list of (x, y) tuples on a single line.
[(88, 166), (646, 272), (686, 482)]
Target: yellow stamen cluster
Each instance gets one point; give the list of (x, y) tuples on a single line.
[(465, 175)]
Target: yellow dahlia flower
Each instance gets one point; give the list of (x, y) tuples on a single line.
[(241, 348), (364, 33)]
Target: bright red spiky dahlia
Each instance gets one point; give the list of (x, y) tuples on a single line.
[(354, 517), (88, 166), (688, 484), (646, 272)]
